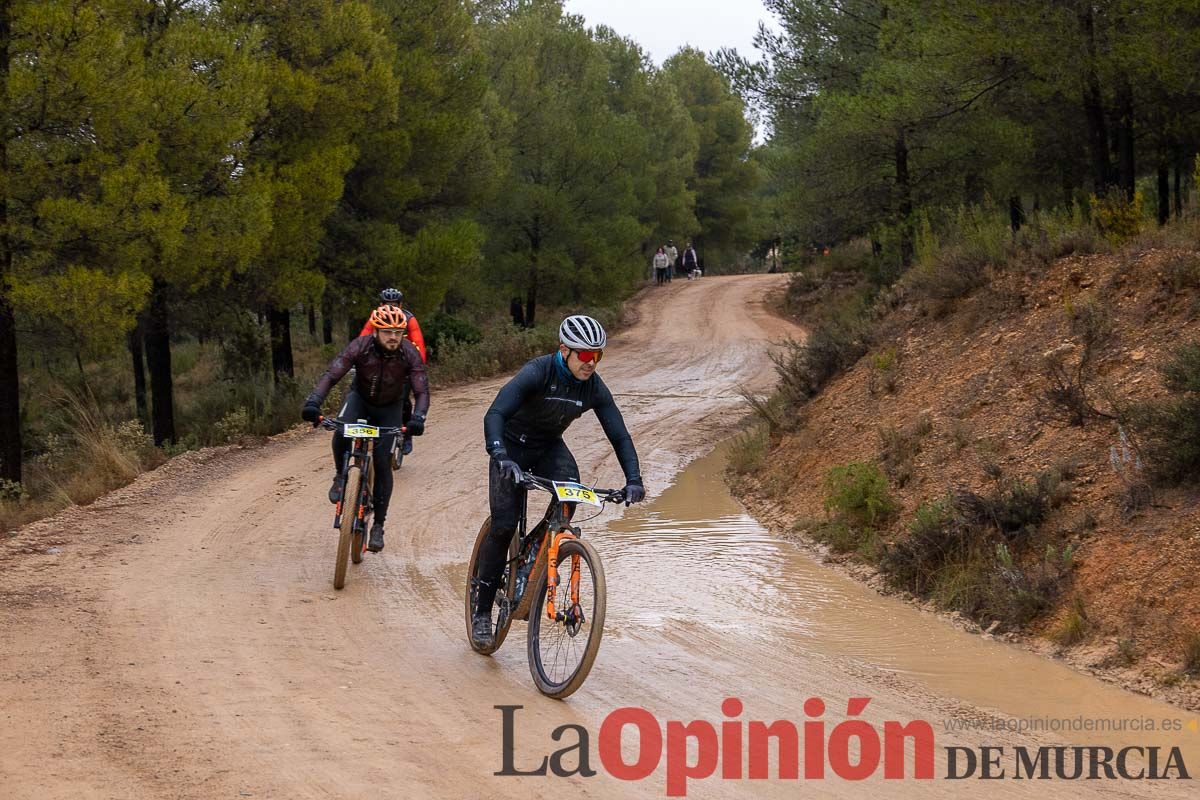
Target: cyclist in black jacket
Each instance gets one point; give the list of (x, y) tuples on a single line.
[(523, 431)]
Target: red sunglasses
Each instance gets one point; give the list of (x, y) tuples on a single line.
[(588, 356)]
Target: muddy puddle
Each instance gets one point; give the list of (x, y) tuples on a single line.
[(694, 556)]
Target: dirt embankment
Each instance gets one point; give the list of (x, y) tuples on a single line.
[(967, 392)]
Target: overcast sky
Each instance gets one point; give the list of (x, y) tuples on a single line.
[(663, 26)]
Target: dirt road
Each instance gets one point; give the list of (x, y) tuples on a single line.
[(181, 637)]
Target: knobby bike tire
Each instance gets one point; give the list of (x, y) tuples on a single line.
[(350, 501), (500, 632), (565, 685), (358, 542)]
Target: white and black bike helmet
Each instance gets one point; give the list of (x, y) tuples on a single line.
[(579, 332), (391, 297)]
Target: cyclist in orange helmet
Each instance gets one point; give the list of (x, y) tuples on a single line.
[(394, 297), (387, 366)]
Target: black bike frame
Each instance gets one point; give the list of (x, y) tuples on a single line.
[(363, 454)]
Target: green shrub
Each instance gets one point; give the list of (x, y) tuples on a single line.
[(1169, 430), (11, 491), (769, 410), (899, 448), (1182, 371), (443, 327), (1019, 507), (1068, 233), (955, 554), (501, 347), (1191, 653), (1126, 652), (748, 451), (1117, 217), (1181, 273), (1091, 321), (840, 537), (834, 344), (937, 536), (859, 493), (956, 262), (233, 426), (245, 349), (885, 371)]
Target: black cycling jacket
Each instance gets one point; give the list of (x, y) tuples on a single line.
[(380, 377), (540, 403)]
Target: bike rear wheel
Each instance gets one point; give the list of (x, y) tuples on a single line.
[(351, 497), (500, 622), (561, 652)]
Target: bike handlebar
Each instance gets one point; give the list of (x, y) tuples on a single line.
[(332, 423), (531, 481)]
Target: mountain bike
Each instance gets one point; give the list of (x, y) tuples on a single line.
[(352, 515), (553, 579)]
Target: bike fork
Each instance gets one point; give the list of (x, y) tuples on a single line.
[(552, 578)]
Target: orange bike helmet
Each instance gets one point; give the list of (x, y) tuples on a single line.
[(389, 318)]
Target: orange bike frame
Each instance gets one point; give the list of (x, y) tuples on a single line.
[(552, 574)]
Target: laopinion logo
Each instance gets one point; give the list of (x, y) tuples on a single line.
[(632, 744)]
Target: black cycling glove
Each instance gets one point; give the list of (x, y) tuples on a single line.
[(312, 410), (415, 426), (508, 468)]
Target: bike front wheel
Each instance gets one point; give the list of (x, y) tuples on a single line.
[(350, 501), (562, 650)]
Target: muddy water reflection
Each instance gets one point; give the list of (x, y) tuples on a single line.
[(694, 555)]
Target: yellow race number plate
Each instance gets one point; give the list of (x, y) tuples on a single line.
[(575, 493), (362, 432)]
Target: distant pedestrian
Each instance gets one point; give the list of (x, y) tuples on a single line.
[(691, 262), (660, 267), (518, 313), (672, 258)]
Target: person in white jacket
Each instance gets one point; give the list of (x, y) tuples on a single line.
[(672, 258), (660, 267)]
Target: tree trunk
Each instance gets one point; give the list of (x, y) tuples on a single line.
[(312, 320), (158, 360), (326, 329), (905, 205), (535, 246), (139, 372), (1016, 213), (10, 385), (1164, 192), (1093, 108), (1126, 168), (351, 329), (973, 188), (1178, 183), (532, 295), (281, 342)]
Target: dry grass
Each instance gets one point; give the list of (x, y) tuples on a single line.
[(1075, 627), (91, 457)]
